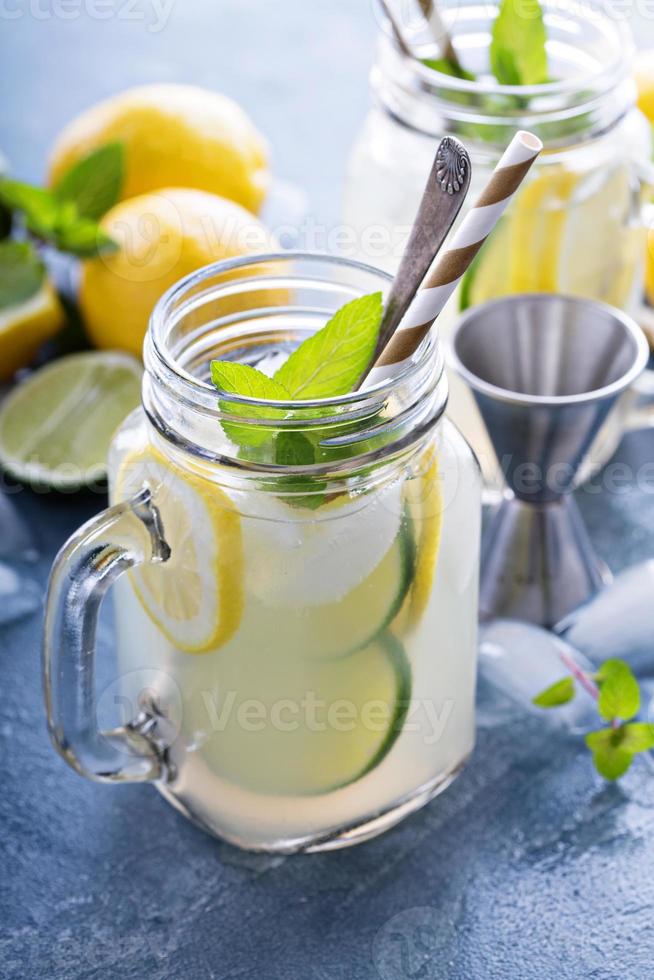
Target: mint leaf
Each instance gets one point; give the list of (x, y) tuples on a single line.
[(517, 52), (610, 755), (559, 693), (81, 237), (331, 361), (93, 184), (55, 221), (39, 207), (446, 67), (241, 379), (638, 736), (21, 273), (619, 695), (293, 449), (612, 762)]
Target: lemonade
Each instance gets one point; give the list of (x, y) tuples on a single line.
[(297, 643)]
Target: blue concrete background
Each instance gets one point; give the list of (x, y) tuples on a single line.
[(530, 867)]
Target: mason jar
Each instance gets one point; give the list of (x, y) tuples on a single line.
[(577, 226), (296, 636)]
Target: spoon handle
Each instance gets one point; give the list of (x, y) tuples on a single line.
[(444, 194)]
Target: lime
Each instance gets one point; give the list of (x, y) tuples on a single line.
[(56, 426)]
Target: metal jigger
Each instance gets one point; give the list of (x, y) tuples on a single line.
[(545, 371)]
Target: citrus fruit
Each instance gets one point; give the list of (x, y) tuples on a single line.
[(161, 237), (173, 136), (27, 325), (195, 597), (293, 756), (565, 233), (644, 71), (56, 426)]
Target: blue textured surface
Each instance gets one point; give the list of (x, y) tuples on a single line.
[(528, 868)]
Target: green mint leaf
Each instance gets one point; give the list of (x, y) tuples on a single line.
[(55, 221), (619, 695), (241, 379), (611, 756), (21, 273), (293, 449), (556, 694), (612, 763), (94, 183), (331, 361), (81, 237), (39, 207), (517, 52), (446, 67), (638, 736)]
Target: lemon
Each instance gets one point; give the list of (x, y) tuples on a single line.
[(425, 507), (55, 427), (174, 136), (649, 267), (564, 234), (27, 325), (161, 237), (196, 597), (644, 72)]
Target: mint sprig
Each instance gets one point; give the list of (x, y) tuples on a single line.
[(518, 49), (617, 693), (67, 216), (325, 365)]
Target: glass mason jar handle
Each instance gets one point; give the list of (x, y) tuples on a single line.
[(118, 539)]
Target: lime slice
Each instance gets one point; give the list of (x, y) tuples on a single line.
[(55, 427), (195, 597), (336, 629), (359, 705)]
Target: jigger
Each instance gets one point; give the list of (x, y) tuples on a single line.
[(545, 371)]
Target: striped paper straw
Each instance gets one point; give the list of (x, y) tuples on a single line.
[(450, 266)]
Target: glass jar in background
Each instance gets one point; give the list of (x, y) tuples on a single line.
[(577, 226), (296, 640)]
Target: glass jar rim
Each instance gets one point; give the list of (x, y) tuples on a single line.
[(590, 51), (624, 46), (157, 355)]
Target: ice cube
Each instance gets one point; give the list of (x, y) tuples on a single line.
[(517, 661), (618, 621)]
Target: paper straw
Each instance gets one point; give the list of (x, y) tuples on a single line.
[(450, 266)]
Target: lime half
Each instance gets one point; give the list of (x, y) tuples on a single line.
[(55, 427)]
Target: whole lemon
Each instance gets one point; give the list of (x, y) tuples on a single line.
[(161, 237), (173, 136)]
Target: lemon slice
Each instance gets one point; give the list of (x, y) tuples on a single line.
[(56, 426), (27, 325), (425, 507), (196, 597), (566, 233)]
